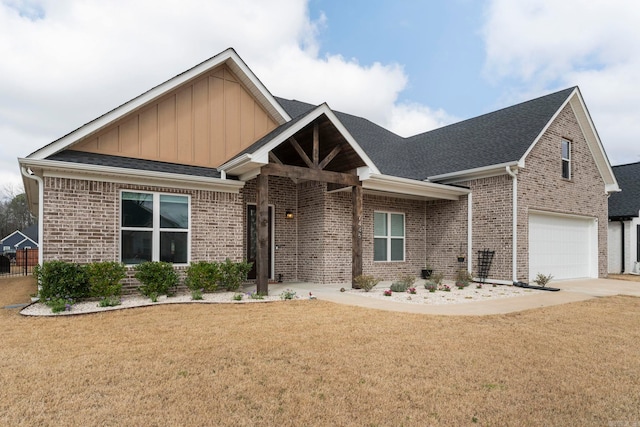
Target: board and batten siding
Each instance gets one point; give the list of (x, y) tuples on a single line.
[(204, 122)]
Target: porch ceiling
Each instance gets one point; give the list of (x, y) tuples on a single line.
[(329, 138)]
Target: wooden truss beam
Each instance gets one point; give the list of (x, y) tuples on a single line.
[(297, 172)]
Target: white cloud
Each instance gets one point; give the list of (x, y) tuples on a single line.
[(71, 61), (536, 46)]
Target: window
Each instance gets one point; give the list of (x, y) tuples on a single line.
[(154, 227), (566, 159), (388, 236)]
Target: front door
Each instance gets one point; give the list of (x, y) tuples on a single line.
[(252, 241)]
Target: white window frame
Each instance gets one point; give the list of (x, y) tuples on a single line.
[(156, 229), (389, 237), (566, 159)]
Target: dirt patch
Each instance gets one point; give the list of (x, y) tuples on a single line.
[(627, 277), (312, 362)]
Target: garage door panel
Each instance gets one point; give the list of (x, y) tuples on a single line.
[(561, 246)]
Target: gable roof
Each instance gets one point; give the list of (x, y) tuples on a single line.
[(626, 204), (228, 57), (21, 238), (248, 162), (484, 144), (496, 138)]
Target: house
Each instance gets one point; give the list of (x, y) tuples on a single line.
[(624, 221), (210, 165), (19, 240)]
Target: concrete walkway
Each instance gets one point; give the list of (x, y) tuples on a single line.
[(570, 291)]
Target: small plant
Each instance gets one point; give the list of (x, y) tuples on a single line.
[(255, 295), (445, 288), (237, 297), (110, 301), (157, 278), (388, 292), (437, 278), (59, 304), (365, 282), (463, 278), (411, 290), (287, 294), (479, 286), (431, 287), (399, 286), (542, 280), (196, 294), (403, 283)]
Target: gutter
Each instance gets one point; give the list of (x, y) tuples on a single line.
[(514, 232), (29, 174)]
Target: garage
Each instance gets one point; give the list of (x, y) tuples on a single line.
[(565, 246)]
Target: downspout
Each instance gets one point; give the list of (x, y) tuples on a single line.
[(622, 244), (31, 175), (469, 232), (514, 232)]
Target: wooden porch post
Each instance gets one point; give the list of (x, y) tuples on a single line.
[(356, 236), (262, 225)]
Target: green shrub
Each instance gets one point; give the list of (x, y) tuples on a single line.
[(104, 279), (365, 282), (403, 283), (232, 274), (156, 278), (59, 279), (408, 279), (203, 276), (463, 278), (399, 286)]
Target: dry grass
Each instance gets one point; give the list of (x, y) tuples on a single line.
[(316, 363)]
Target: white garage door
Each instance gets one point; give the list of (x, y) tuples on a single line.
[(564, 246)]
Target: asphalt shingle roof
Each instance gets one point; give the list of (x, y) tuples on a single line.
[(499, 137), (626, 203), (131, 163)]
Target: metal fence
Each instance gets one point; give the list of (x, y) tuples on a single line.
[(19, 263)]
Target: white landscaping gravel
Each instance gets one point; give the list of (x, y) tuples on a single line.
[(422, 296), (454, 296), (129, 301)]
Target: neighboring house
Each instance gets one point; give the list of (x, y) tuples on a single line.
[(624, 221), (20, 239), (210, 165)]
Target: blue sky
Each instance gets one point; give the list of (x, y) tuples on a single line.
[(439, 45), (410, 66)]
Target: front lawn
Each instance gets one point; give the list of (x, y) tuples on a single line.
[(311, 362)]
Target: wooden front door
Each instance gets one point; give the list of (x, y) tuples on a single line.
[(252, 241)]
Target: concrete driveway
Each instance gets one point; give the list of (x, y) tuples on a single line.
[(570, 291)]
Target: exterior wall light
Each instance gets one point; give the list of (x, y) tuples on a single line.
[(288, 215)]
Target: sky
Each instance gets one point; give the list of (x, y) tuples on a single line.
[(410, 66)]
